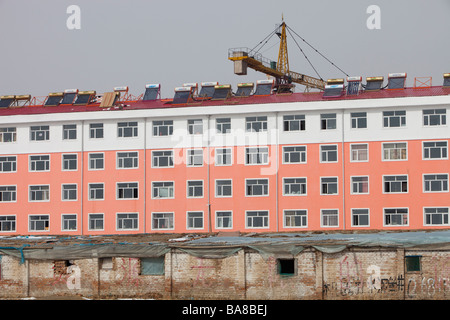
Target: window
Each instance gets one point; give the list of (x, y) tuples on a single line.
[(359, 120), (127, 129), (195, 158), (8, 135), (257, 219), (295, 218), (96, 161), (96, 130), (294, 154), (328, 121), (69, 132), (39, 223), (257, 187), (257, 155), (329, 153), (395, 151), (69, 192), (329, 185), (162, 221), (435, 182), (434, 117), (127, 221), (152, 266), (224, 188), (396, 217), (40, 163), (39, 193), (294, 122), (412, 263), (294, 186), (69, 222), (96, 191), (435, 216), (256, 124), (8, 193), (8, 164), (7, 223), (39, 133), (435, 150), (163, 189), (127, 190), (127, 160), (195, 220), (360, 185), (359, 152), (195, 126), (224, 219), (162, 128), (69, 161), (393, 119), (195, 189), (223, 125), (95, 221), (162, 159), (330, 217), (360, 217), (395, 184), (223, 157), (107, 263), (286, 267)]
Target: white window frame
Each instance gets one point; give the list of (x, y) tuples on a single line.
[(265, 218), (396, 181), (12, 192), (96, 130), (44, 192), (427, 115), (360, 214), (303, 185), (128, 185), (396, 147), (329, 194), (63, 191), (195, 126), (97, 219), (217, 188), (441, 148), (221, 127), (396, 213), (354, 119), (194, 219), (8, 132), (90, 188), (127, 127), (358, 152), (9, 160), (38, 130), (169, 218), (322, 224), (303, 214), (122, 156), (158, 124), (352, 182), (192, 156), (262, 157), (300, 149), (260, 122), (8, 219), (46, 229), (327, 152), (188, 188), (257, 184), (390, 117), (35, 161), (66, 131), (223, 155), (328, 121), (90, 161), (436, 213), (64, 218), (298, 118), (217, 218), (170, 189), (170, 158), (120, 220), (442, 184), (64, 161)]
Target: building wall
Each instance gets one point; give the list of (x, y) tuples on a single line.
[(414, 133), (355, 273)]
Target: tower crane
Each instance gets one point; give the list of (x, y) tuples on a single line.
[(284, 77)]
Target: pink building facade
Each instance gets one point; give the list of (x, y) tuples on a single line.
[(268, 164)]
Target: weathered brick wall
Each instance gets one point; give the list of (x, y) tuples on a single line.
[(263, 280), (433, 281), (198, 278), (13, 278)]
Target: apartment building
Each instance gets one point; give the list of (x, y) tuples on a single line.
[(376, 160)]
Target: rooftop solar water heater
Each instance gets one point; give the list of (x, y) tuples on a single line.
[(7, 101), (353, 85), (222, 92), (54, 99), (22, 100), (109, 99), (333, 90), (244, 89), (373, 83), (69, 96), (193, 86), (446, 80), (152, 92), (264, 87), (396, 80), (84, 98), (182, 95), (207, 90)]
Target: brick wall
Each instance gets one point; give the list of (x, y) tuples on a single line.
[(355, 273)]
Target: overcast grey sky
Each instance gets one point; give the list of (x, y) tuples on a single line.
[(135, 42)]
